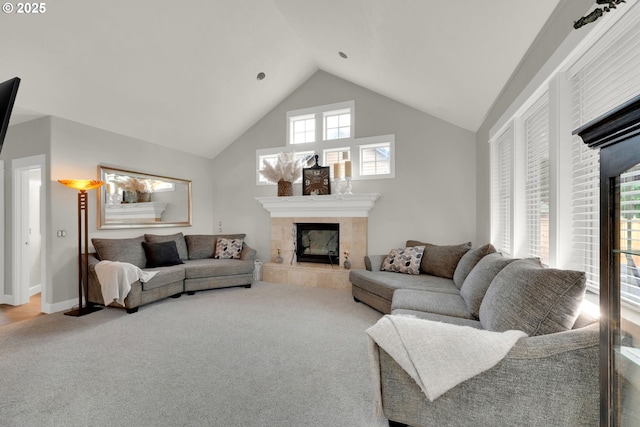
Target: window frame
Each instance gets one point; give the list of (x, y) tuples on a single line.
[(320, 113)]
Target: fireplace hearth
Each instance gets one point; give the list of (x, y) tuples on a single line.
[(318, 242)]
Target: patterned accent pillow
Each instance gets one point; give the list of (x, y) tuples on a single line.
[(228, 248), (404, 260)]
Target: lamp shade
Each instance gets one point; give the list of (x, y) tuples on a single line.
[(81, 184)]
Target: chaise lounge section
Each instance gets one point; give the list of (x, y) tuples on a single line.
[(549, 377)]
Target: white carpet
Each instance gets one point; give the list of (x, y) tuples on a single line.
[(272, 355)]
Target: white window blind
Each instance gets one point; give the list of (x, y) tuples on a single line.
[(607, 75), (536, 133), (585, 206), (501, 187)]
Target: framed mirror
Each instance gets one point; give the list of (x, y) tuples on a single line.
[(131, 199)]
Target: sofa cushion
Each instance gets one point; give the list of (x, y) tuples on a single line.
[(477, 282), (533, 299), (384, 283), (440, 261), (430, 302), (468, 261), (204, 245), (228, 248), (181, 244), (198, 268), (164, 276), (161, 254), (404, 260), (123, 250), (460, 321)]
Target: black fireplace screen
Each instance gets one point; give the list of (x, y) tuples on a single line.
[(318, 242)]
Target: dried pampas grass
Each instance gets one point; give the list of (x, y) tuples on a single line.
[(286, 168)]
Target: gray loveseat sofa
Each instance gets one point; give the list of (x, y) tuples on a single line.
[(549, 378), (182, 264)]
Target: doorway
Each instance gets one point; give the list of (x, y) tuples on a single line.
[(28, 272)]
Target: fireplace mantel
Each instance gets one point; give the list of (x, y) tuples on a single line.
[(334, 205)]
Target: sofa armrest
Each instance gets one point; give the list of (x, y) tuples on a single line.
[(248, 253), (543, 381), (374, 262)]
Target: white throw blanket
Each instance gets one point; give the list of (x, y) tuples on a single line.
[(116, 277), (437, 355)]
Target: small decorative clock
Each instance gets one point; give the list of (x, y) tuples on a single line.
[(316, 180)]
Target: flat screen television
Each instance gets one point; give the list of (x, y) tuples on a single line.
[(8, 92)]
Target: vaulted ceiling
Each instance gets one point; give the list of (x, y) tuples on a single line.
[(183, 74)]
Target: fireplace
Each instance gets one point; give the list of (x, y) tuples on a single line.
[(318, 242)]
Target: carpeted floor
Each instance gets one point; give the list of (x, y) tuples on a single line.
[(272, 355)]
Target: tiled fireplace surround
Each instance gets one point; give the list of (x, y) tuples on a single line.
[(349, 211)]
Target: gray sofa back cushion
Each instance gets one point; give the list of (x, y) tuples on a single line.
[(202, 246), (533, 299), (477, 282), (440, 261), (181, 244), (123, 250), (468, 261)]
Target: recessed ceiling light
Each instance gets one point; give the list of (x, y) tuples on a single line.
[(342, 55), (261, 76)]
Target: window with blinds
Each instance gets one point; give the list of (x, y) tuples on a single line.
[(501, 188), (536, 133), (585, 206), (607, 75)]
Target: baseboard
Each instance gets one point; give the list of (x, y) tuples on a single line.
[(7, 299), (35, 290), (59, 306)]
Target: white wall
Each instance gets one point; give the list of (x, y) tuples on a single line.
[(432, 197)]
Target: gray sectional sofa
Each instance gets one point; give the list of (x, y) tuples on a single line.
[(183, 264), (548, 378)]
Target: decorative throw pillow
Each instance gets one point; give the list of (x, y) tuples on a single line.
[(181, 244), (441, 261), (123, 250), (469, 261), (161, 254), (228, 248), (477, 282), (404, 260), (530, 298)]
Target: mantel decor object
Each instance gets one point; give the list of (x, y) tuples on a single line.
[(285, 188), (284, 171), (316, 180), (82, 185)]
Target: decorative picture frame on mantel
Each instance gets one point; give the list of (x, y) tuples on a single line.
[(316, 180)]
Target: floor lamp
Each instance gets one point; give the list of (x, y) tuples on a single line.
[(82, 185)]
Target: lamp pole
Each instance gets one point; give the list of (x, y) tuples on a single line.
[(83, 234)]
